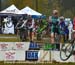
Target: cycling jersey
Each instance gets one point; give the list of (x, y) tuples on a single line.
[(55, 25), (43, 24), (62, 27)]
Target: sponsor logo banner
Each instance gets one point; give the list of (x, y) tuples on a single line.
[(5, 46), (31, 55), (10, 55), (19, 46)]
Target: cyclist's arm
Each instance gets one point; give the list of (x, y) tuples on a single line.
[(25, 21), (43, 27)]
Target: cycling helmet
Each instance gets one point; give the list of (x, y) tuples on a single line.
[(61, 18)]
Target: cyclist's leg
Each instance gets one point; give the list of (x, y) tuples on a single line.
[(70, 33), (66, 36), (25, 34), (52, 35), (20, 33), (73, 34), (31, 34), (62, 36), (52, 38), (57, 35)]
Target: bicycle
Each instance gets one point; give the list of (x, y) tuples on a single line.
[(67, 49)]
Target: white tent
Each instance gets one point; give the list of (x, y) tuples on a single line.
[(20, 12), (11, 9), (29, 11)]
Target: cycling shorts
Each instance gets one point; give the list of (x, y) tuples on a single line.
[(55, 30)]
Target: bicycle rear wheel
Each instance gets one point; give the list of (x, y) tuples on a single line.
[(66, 51)]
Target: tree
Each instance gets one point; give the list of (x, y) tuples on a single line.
[(56, 5), (68, 13), (19, 3)]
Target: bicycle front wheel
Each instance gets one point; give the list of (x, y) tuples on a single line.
[(66, 51)]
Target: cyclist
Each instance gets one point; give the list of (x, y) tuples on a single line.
[(62, 29), (22, 29), (74, 24), (66, 29), (55, 25), (74, 28), (42, 26), (31, 27), (70, 27)]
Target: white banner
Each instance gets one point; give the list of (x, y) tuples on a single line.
[(6, 46), (10, 55), (44, 56), (20, 55), (2, 55), (21, 46), (14, 55), (55, 56)]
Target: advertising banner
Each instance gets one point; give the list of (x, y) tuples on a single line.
[(20, 55), (10, 55), (6, 46), (31, 55), (2, 55), (21, 46), (55, 56), (44, 56)]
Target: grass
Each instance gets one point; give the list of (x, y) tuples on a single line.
[(55, 63), (7, 34), (9, 40), (15, 39)]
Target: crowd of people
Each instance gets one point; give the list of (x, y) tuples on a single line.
[(53, 25)]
